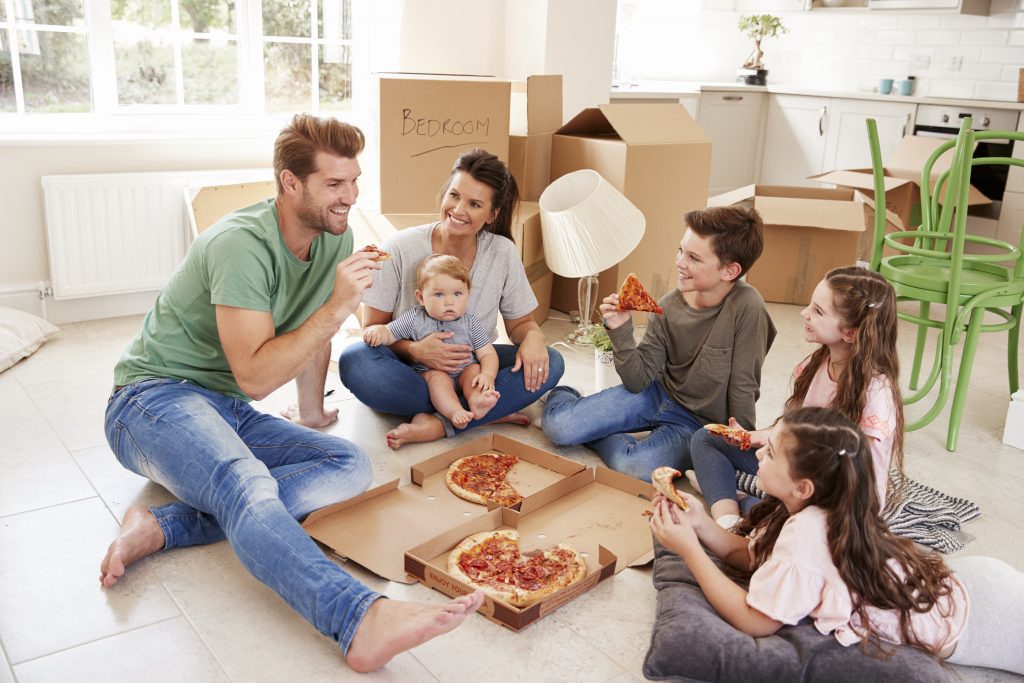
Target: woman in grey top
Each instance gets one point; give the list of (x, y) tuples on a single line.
[(475, 225)]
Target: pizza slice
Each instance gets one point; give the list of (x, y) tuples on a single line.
[(481, 479), (662, 480), (381, 254), (633, 297), (737, 436)]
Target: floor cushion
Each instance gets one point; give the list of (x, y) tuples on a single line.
[(21, 334), (691, 642)]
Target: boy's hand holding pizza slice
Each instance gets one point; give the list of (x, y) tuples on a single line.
[(633, 297)]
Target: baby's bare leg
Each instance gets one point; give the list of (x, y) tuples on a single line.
[(444, 398), (480, 401)]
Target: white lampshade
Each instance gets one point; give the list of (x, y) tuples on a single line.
[(588, 225)]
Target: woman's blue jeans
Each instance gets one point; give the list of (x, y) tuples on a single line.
[(603, 421), (246, 476), (386, 383), (715, 462)]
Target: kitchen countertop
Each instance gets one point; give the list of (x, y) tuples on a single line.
[(684, 89)]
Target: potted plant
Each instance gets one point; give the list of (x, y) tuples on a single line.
[(757, 27), (604, 361)]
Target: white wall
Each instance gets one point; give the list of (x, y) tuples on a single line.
[(699, 41)]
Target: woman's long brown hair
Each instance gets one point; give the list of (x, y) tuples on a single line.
[(867, 303), (827, 448)]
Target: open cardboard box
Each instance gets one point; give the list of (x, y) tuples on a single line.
[(377, 527), (902, 178), (536, 112), (599, 512), (808, 231)]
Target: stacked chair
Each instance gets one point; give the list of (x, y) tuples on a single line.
[(958, 293)]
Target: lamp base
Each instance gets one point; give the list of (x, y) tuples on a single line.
[(580, 335)]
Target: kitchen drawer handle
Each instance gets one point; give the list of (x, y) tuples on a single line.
[(821, 121), (906, 126), (733, 98)]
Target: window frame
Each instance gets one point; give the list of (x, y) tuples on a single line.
[(248, 117)]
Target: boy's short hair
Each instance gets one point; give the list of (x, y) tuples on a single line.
[(442, 264), (738, 233)]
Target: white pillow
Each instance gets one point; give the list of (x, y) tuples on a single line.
[(21, 334)]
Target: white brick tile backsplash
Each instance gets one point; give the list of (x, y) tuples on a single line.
[(994, 90), (1010, 73), (968, 53), (984, 37), (901, 38), (916, 22), (1016, 37), (937, 38), (941, 88), (1003, 55)]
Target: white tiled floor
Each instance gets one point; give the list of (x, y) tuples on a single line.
[(195, 615)]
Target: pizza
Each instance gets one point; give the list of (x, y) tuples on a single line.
[(662, 480), (381, 254), (482, 479), (493, 562), (737, 436), (633, 297)]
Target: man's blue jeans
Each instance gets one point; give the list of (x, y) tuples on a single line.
[(715, 462), (246, 476), (603, 421), (386, 383)]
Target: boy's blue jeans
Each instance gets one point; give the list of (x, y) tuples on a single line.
[(603, 421), (246, 476)]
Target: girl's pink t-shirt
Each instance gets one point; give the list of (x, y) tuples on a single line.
[(878, 420), (800, 580)]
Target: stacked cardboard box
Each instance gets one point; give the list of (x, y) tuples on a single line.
[(404, 533), (659, 158), (536, 113)]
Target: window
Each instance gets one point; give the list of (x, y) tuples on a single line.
[(176, 56)]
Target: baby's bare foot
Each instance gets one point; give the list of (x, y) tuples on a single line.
[(140, 536), (461, 418), (481, 402)]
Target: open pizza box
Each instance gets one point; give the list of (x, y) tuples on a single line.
[(599, 512), (376, 528)]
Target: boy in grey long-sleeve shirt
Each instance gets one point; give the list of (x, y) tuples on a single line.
[(700, 362)]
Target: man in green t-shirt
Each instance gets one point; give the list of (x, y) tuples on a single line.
[(254, 305)]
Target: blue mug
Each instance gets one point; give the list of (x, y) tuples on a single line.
[(906, 87), (884, 86)]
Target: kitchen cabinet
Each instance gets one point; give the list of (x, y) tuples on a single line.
[(733, 122), (805, 136)]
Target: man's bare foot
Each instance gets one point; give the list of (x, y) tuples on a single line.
[(512, 418), (461, 418), (481, 402), (424, 427), (392, 626), (316, 421), (140, 536)]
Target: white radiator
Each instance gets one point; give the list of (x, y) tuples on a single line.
[(117, 233)]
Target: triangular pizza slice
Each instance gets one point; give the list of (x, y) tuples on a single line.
[(633, 297)]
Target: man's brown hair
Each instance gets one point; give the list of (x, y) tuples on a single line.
[(738, 233), (299, 142)]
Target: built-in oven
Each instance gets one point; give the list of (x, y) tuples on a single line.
[(943, 121)]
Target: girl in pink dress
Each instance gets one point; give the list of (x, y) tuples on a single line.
[(855, 369), (817, 547)]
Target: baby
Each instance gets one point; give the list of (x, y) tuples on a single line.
[(442, 290)]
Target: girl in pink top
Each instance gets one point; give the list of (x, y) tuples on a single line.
[(818, 548), (855, 369)]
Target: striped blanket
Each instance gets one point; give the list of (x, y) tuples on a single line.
[(924, 515)]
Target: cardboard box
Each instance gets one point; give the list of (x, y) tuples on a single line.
[(425, 123), (807, 232), (598, 511), (536, 112), (659, 158), (902, 178), (376, 528), (541, 280), (526, 231)]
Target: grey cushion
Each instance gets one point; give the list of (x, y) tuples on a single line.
[(692, 643)]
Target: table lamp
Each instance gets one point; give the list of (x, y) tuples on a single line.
[(587, 226)]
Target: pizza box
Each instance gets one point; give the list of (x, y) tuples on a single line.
[(376, 528), (599, 512)]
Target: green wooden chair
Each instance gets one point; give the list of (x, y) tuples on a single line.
[(931, 267)]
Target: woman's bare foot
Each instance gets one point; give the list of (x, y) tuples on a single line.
[(424, 427), (140, 536), (392, 626), (512, 418), (481, 402)]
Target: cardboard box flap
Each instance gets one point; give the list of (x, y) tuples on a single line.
[(890, 216), (817, 213), (644, 124), (862, 180), (913, 150), (536, 105), (364, 529), (590, 122)]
